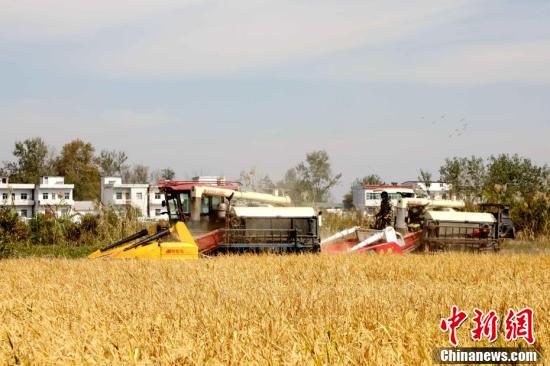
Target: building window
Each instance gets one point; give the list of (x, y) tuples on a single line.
[(4, 196), (24, 196), (139, 196), (67, 195), (119, 195), (45, 196), (372, 196), (395, 196), (157, 212), (4, 180), (127, 195), (24, 213), (157, 195)]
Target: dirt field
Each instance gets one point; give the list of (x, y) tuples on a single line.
[(258, 309)]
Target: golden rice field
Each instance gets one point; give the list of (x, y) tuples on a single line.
[(267, 310)]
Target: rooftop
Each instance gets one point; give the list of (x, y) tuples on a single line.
[(382, 187)]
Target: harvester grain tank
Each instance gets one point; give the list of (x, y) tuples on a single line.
[(446, 230)]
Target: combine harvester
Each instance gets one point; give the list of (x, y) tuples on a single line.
[(207, 217), (435, 226)]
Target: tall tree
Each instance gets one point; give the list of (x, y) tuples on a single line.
[(32, 161), (139, 174), (112, 162), (163, 174), (466, 175), (509, 175), (315, 177), (290, 186), (426, 178), (167, 174), (77, 164), (252, 180)]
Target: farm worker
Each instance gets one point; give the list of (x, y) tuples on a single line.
[(384, 216)]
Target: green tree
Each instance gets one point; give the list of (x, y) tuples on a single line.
[(139, 174), (163, 174), (291, 187), (112, 163), (466, 175), (32, 161), (252, 180), (426, 178), (77, 164), (167, 174), (368, 180), (512, 175), (314, 177)]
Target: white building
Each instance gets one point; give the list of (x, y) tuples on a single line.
[(118, 195), (155, 204), (368, 198), (82, 208), (19, 196), (53, 196), (436, 190)]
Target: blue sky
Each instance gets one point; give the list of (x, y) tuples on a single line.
[(215, 87)]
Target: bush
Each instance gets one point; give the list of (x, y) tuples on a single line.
[(105, 227), (6, 250), (12, 228), (531, 215)]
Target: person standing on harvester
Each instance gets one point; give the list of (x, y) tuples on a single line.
[(384, 216)]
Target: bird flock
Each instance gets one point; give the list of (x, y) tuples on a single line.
[(456, 132)]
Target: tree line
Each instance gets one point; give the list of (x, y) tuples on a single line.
[(309, 182), (512, 180), (78, 163)]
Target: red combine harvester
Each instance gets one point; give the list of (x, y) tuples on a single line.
[(423, 224)]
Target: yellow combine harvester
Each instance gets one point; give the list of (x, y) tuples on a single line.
[(203, 221)]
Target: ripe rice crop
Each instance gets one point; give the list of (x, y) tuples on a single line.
[(265, 309)]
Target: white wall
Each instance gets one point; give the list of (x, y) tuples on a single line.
[(54, 195), (155, 204), (14, 195), (358, 194), (118, 195)]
